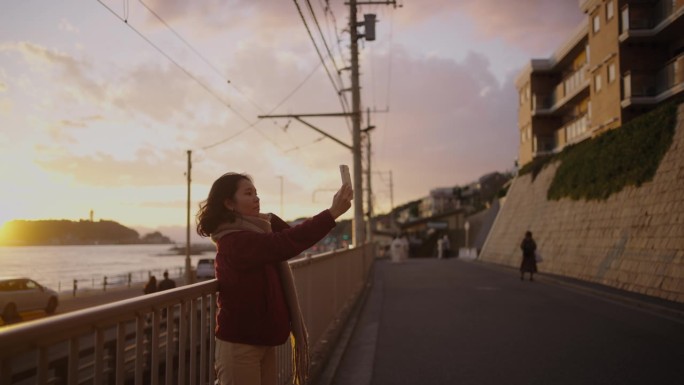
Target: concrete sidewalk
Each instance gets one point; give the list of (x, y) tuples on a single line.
[(431, 321)]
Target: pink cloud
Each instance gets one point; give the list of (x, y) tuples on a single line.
[(536, 26)]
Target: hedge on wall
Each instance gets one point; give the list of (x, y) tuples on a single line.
[(599, 167)]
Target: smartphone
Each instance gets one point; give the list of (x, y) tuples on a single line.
[(344, 172)]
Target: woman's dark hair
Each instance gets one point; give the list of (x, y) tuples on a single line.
[(212, 211), (528, 234)]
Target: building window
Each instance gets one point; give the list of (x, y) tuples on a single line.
[(610, 10), (597, 23), (526, 134), (597, 83), (611, 73)]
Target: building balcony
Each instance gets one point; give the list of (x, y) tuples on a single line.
[(648, 20), (567, 90), (575, 131), (643, 87)]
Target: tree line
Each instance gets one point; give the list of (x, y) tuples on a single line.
[(66, 232)]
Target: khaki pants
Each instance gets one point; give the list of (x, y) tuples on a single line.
[(240, 364)]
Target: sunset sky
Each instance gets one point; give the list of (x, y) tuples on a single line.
[(92, 116)]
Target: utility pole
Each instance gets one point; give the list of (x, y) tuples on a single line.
[(391, 187), (369, 35), (358, 236), (393, 224), (369, 189), (391, 191), (188, 264)]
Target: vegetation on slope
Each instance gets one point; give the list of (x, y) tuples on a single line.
[(599, 167)]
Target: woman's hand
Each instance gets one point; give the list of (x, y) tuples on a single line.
[(341, 201)]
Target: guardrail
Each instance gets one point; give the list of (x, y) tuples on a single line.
[(167, 337)]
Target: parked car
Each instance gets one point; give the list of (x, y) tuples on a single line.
[(205, 268), (19, 294)]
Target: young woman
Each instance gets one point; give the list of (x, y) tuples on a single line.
[(258, 307), (529, 262)]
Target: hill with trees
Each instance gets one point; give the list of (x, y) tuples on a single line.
[(66, 232)]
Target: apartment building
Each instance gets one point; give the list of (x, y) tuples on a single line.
[(624, 59)]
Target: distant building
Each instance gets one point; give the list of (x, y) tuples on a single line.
[(440, 200), (626, 58), (491, 184)]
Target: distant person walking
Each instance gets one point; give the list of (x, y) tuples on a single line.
[(257, 300), (446, 245), (166, 283), (529, 262), (406, 248), (397, 249), (151, 285), (440, 248)]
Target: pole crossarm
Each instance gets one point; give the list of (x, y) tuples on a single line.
[(298, 117), (389, 2), (325, 114)]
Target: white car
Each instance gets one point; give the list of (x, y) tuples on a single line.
[(205, 269), (19, 294)]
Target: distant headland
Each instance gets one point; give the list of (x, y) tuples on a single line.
[(66, 232)]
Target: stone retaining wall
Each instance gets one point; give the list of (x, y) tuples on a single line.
[(634, 240)]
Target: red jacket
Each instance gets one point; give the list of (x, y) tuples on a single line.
[(252, 308)]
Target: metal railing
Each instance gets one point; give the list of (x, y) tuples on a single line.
[(653, 84), (576, 129), (647, 15), (167, 337), (570, 86)]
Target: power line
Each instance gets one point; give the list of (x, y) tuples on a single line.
[(329, 11), (342, 97), (271, 111), (325, 42), (320, 56), (188, 73), (197, 80), (305, 145), (202, 57), (218, 72)]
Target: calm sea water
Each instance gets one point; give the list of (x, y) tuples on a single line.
[(55, 266)]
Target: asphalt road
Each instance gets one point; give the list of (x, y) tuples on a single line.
[(431, 321)]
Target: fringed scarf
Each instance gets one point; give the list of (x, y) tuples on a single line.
[(299, 337)]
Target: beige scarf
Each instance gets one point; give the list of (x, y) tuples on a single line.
[(299, 337)]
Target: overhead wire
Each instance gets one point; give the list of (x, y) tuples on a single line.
[(202, 57), (178, 65), (273, 109), (219, 73), (320, 56), (212, 92), (320, 32), (329, 14), (338, 71), (197, 80), (158, 49), (327, 47)]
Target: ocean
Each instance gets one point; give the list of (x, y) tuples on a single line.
[(57, 266)]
